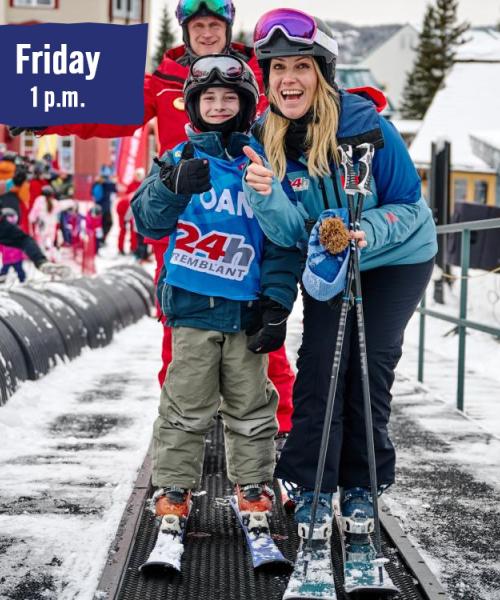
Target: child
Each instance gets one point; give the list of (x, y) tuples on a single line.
[(11, 257), (223, 277), (44, 217)]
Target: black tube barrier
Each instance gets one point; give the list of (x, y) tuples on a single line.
[(43, 323), (13, 369)]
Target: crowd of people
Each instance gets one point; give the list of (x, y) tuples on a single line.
[(38, 198), (229, 207)]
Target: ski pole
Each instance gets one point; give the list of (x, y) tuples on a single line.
[(325, 437), (365, 152)]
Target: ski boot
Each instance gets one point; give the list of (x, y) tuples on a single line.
[(364, 570), (357, 523), (255, 503), (172, 505), (357, 511), (303, 499)]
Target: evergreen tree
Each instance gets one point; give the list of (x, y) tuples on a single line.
[(165, 38), (435, 55)]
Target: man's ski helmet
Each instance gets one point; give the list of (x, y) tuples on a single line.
[(222, 9), (221, 70), (289, 32)]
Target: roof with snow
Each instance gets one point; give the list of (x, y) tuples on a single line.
[(468, 101), (486, 145), (490, 137), (483, 45)]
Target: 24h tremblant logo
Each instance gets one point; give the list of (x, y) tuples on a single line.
[(216, 253)]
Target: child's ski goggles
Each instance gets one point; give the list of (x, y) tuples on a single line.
[(189, 8), (227, 68), (295, 25)]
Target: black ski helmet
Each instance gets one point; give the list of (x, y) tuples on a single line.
[(221, 9), (221, 70), (278, 42)]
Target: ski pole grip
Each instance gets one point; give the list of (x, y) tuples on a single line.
[(347, 164), (365, 153)]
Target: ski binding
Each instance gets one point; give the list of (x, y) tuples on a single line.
[(314, 581), (169, 546)]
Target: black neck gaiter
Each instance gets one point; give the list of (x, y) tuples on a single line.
[(295, 137)]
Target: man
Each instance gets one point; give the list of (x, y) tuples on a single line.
[(204, 31)]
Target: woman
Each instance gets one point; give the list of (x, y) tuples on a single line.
[(308, 118)]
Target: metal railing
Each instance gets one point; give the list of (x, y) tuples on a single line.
[(461, 322)]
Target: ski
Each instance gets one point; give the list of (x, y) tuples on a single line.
[(316, 582), (258, 536), (169, 547), (364, 573)]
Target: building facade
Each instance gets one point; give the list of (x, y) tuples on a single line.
[(82, 158), (391, 61)]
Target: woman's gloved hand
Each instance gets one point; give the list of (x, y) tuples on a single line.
[(191, 176), (270, 333)]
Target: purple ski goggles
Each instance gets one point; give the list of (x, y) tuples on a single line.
[(295, 25)]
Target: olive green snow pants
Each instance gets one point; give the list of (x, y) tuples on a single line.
[(214, 372)]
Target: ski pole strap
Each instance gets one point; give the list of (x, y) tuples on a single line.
[(347, 164), (365, 153)]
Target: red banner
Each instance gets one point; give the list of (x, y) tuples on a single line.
[(132, 155)]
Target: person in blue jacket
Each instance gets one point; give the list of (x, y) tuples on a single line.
[(227, 293), (292, 178)]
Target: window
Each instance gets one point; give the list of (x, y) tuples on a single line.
[(481, 191), (28, 145), (460, 190), (126, 9), (34, 3), (66, 153)]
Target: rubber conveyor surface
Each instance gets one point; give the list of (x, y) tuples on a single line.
[(216, 564)]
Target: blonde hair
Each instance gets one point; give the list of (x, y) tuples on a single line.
[(321, 138)]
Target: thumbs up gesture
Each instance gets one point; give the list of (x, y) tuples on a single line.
[(257, 175)]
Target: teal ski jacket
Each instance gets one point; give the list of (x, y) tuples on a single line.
[(396, 219)]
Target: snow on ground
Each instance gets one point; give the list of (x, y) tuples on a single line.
[(448, 478), (72, 443)]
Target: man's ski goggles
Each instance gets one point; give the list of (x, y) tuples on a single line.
[(228, 68), (189, 8), (295, 25)]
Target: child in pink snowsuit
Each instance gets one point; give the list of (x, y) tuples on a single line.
[(12, 257)]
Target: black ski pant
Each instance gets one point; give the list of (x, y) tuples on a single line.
[(390, 296), (11, 235)]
